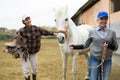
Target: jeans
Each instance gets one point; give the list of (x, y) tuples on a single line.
[(95, 73)]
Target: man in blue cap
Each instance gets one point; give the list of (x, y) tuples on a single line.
[(99, 38)]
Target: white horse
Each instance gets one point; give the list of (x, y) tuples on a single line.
[(69, 33)]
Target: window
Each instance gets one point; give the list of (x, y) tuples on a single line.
[(115, 5)]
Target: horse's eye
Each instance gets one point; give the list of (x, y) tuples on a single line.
[(55, 20), (66, 19)]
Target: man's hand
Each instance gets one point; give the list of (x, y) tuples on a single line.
[(71, 47), (105, 44), (55, 34)]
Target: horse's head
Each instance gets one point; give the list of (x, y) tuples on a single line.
[(16, 46), (61, 20)]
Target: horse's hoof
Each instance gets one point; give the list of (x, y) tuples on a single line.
[(87, 78)]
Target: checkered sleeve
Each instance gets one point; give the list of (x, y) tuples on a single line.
[(45, 32)]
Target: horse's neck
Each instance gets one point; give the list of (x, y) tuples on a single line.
[(71, 24), (71, 32)]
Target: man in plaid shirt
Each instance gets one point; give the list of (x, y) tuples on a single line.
[(32, 34)]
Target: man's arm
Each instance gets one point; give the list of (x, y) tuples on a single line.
[(45, 32), (81, 46)]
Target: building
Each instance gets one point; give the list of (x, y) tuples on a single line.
[(87, 13)]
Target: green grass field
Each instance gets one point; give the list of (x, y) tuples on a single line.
[(49, 64)]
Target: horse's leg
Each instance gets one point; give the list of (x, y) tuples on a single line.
[(74, 67), (64, 58), (86, 57)]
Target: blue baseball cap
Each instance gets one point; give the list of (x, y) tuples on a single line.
[(102, 14)]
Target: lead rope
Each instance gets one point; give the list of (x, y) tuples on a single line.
[(64, 31), (103, 59)]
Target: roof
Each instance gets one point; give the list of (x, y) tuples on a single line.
[(85, 7)]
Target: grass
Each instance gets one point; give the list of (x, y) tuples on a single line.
[(49, 64)]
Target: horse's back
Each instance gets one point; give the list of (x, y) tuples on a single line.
[(83, 32), (86, 27)]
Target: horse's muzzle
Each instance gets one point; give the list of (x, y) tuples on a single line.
[(61, 39)]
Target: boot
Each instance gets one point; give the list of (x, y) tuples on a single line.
[(33, 77), (27, 78)]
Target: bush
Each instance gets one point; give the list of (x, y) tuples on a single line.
[(6, 37)]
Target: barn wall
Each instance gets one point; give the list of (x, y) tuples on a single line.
[(115, 16), (89, 17)]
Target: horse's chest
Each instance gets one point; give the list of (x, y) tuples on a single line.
[(65, 49)]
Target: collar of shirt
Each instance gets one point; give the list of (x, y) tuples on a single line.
[(99, 29), (28, 26), (102, 32)]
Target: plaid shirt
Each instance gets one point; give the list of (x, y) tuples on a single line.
[(33, 37)]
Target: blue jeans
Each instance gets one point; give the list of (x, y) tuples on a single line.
[(95, 73)]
